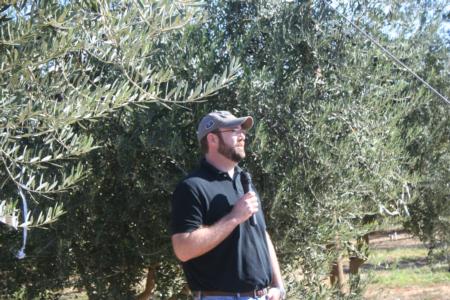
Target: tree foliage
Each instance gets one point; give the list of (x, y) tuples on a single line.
[(67, 69), (342, 135)]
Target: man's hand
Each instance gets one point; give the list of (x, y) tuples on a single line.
[(188, 245), (274, 294), (245, 207)]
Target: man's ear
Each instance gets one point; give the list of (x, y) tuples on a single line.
[(212, 139)]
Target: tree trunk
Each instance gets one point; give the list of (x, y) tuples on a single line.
[(149, 285), (337, 268), (356, 262), (337, 274)]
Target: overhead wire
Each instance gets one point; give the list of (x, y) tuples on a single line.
[(390, 54)]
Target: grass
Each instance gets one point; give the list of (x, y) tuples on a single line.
[(405, 267), (393, 256), (410, 277), (74, 295), (390, 224)]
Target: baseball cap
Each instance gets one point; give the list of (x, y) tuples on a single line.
[(220, 119)]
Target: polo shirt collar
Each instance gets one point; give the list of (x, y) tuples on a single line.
[(204, 163)]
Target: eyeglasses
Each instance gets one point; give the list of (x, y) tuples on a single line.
[(235, 131)]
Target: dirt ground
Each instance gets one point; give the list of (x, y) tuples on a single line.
[(391, 240), (434, 292)]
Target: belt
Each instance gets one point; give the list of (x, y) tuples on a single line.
[(254, 293)]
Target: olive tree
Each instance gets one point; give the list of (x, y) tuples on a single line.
[(66, 70)]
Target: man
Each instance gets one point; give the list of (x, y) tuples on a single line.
[(223, 255)]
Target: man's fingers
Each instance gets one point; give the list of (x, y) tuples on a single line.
[(252, 204), (274, 294), (246, 206)]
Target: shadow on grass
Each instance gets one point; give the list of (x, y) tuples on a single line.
[(405, 263)]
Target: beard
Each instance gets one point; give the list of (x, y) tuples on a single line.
[(232, 153)]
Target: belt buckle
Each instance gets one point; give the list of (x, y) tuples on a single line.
[(259, 293)]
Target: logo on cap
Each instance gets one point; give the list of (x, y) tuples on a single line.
[(209, 124)]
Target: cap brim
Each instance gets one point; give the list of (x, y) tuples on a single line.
[(248, 123), (245, 122)]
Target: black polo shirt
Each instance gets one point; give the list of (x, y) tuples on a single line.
[(241, 263)]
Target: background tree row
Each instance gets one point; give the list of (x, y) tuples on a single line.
[(342, 135)]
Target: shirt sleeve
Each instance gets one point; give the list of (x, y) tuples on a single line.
[(187, 210)]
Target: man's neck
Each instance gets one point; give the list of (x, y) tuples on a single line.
[(221, 163)]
